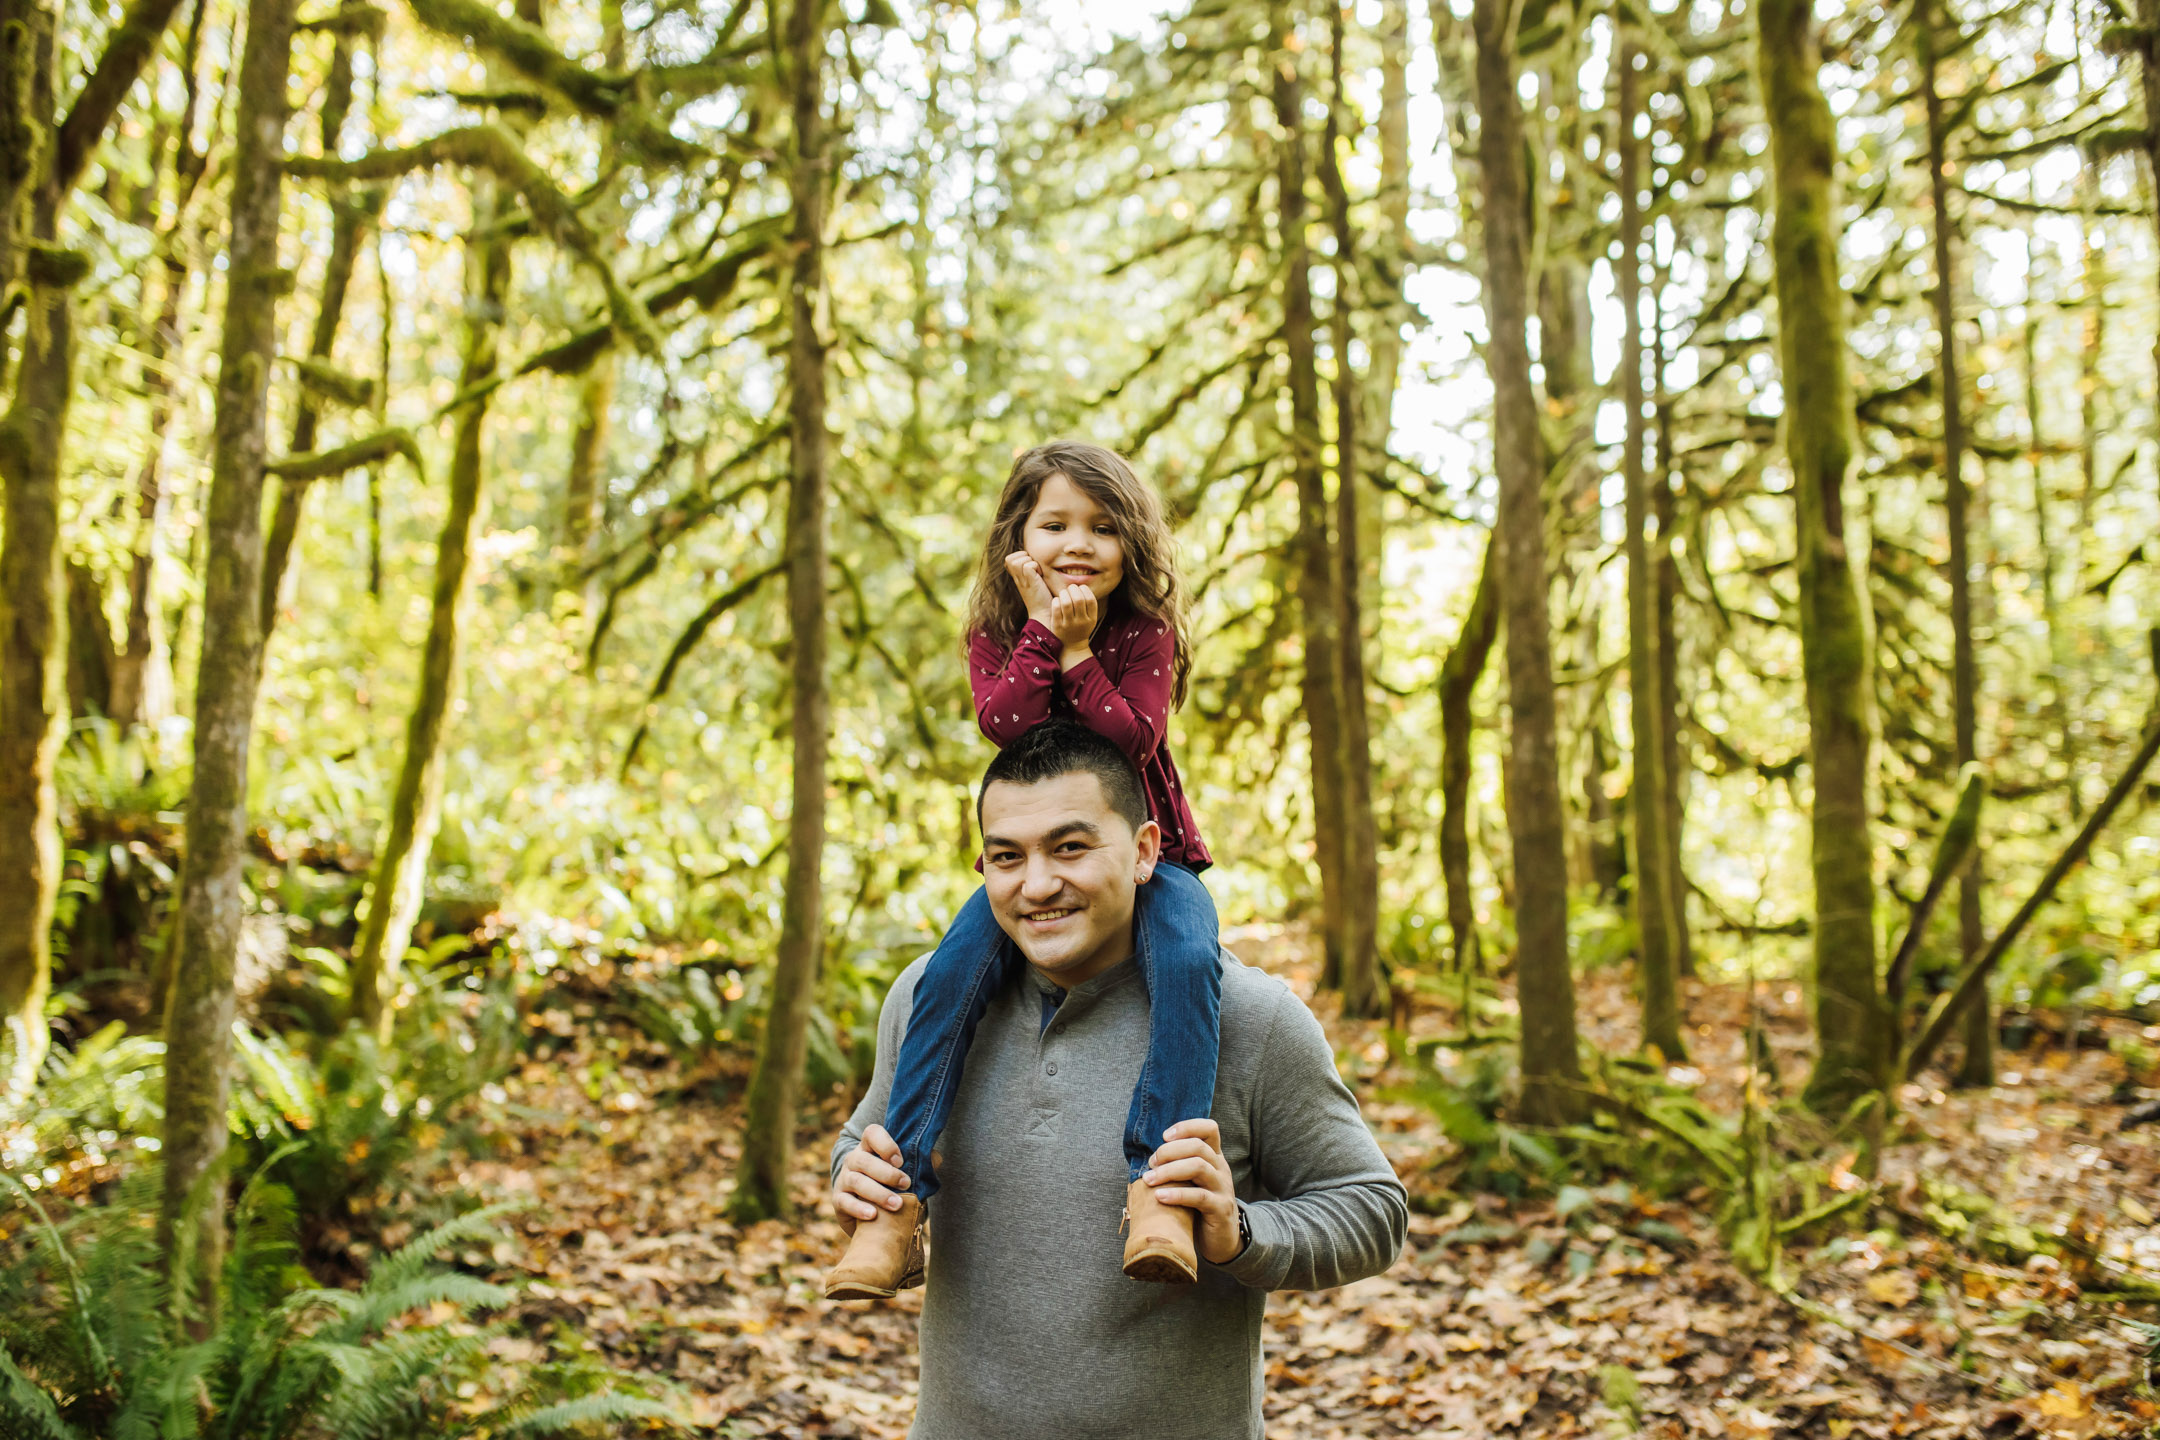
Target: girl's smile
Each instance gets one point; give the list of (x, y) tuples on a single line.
[(1074, 540)]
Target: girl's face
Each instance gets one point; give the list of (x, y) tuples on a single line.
[(1073, 539)]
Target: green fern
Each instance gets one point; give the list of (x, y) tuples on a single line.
[(92, 1349)]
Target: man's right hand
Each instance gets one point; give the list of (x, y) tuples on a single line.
[(870, 1179)]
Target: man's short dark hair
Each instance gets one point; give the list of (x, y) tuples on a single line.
[(1065, 747)]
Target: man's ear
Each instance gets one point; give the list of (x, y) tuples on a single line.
[(1147, 843)]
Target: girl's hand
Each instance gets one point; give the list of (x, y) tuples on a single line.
[(1034, 590), (1072, 620)]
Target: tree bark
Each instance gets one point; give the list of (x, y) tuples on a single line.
[(1852, 1024), (349, 218), (1364, 990), (33, 659), (1668, 657), (761, 1181), (1978, 1068), (1459, 675), (132, 691), (1545, 986), (1658, 966), (399, 881), (33, 620), (199, 1014), (1318, 610)]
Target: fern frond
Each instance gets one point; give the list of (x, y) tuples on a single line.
[(27, 1410), (609, 1407)]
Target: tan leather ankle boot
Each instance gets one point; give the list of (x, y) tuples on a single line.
[(884, 1256), (1158, 1238)]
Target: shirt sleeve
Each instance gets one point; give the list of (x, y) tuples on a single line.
[(891, 1030), (1333, 1211), (1134, 711), (1012, 692)]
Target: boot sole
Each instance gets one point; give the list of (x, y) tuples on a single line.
[(848, 1290), (1160, 1267)]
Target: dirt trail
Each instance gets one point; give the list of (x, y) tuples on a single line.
[(1619, 1316)]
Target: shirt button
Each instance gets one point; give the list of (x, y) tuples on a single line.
[(1051, 1068)]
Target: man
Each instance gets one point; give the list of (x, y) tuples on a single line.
[(1028, 1326)]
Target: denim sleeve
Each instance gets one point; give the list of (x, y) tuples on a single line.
[(1338, 1213)]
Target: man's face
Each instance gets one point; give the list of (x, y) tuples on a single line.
[(1061, 867)]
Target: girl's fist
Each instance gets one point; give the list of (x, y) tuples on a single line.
[(1072, 616), (1034, 590)]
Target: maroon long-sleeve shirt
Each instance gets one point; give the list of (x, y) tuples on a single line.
[(1122, 691)]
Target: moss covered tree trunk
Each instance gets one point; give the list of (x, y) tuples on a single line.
[(1459, 675), (1667, 602), (1551, 1068), (1978, 1067), (1319, 612), (398, 882), (1657, 962), (350, 215), (1364, 989), (33, 656), (761, 1181), (199, 1015), (43, 155), (1852, 1026)]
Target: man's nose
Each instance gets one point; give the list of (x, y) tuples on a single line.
[(1041, 882)]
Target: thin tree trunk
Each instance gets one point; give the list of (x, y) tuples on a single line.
[(2044, 542), (1364, 991), (1458, 682), (1388, 254), (1317, 608), (1659, 969), (398, 884), (1979, 1065), (1545, 986), (1668, 657), (131, 693), (761, 1181), (2149, 70), (350, 217), (199, 1015), (33, 656), (1852, 1025)]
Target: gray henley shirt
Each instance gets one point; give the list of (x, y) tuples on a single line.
[(1028, 1325)]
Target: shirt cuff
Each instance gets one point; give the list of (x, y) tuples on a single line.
[(1039, 634), (1262, 1264)]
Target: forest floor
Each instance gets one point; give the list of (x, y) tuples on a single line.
[(1581, 1312)]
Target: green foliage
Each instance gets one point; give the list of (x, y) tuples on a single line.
[(1465, 1087), (91, 1347)]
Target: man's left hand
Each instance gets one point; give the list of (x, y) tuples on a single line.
[(1189, 1170)]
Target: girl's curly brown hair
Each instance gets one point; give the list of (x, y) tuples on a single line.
[(1151, 583)]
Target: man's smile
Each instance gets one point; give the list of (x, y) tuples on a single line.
[(1050, 917)]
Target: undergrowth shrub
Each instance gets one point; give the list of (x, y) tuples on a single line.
[(93, 1347)]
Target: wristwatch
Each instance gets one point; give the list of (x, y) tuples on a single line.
[(1244, 1232)]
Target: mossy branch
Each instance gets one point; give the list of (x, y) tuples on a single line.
[(1975, 975), (326, 382), (1959, 837), (619, 97), (128, 49), (359, 22), (725, 601), (370, 450), (493, 149), (54, 267)]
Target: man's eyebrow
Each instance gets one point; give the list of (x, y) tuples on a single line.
[(1069, 828), (1072, 827)]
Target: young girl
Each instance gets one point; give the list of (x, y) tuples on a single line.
[(1076, 614)]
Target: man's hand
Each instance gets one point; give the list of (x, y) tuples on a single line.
[(1189, 1170), (1034, 589), (870, 1179), (1072, 620)]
